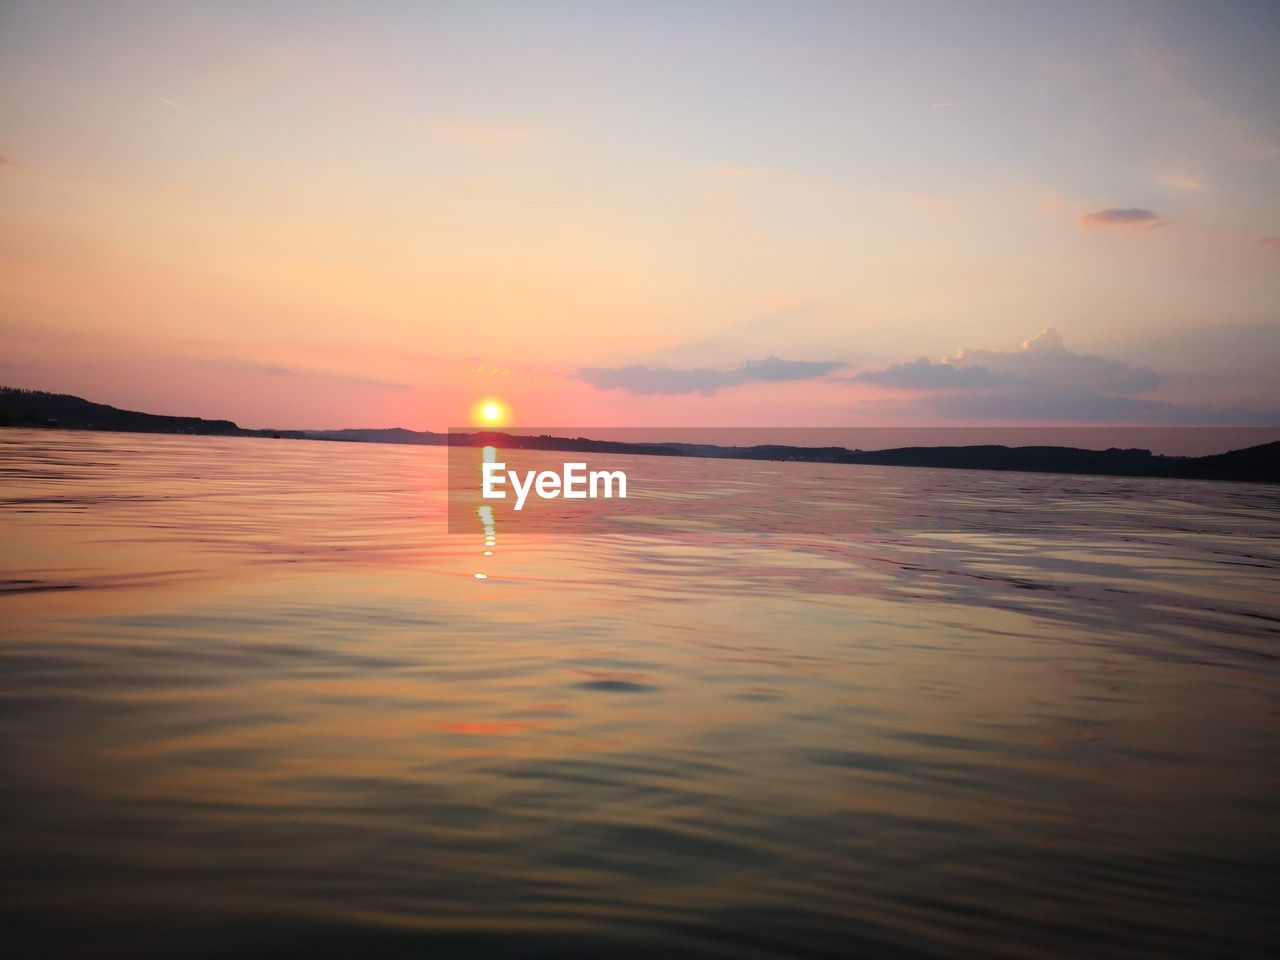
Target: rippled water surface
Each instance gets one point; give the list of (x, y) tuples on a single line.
[(254, 700)]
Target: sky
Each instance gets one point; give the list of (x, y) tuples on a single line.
[(318, 215)]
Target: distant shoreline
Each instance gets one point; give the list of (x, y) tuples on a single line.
[(34, 409)]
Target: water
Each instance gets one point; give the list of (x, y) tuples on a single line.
[(253, 700)]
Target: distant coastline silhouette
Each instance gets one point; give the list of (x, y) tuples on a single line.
[(1261, 463)]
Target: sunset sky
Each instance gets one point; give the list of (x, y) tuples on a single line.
[(328, 215)]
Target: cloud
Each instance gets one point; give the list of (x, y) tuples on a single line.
[(1272, 242), (1047, 340), (1041, 380), (1043, 362), (1046, 362), (1122, 217), (922, 374), (640, 379), (647, 380), (771, 368)]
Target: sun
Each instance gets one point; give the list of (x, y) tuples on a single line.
[(489, 412)]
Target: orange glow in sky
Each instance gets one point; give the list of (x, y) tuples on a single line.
[(640, 219)]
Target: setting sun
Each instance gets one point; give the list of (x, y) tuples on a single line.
[(489, 412)]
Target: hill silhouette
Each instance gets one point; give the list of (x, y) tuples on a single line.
[(35, 408)]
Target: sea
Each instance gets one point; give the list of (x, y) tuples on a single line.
[(257, 700)]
